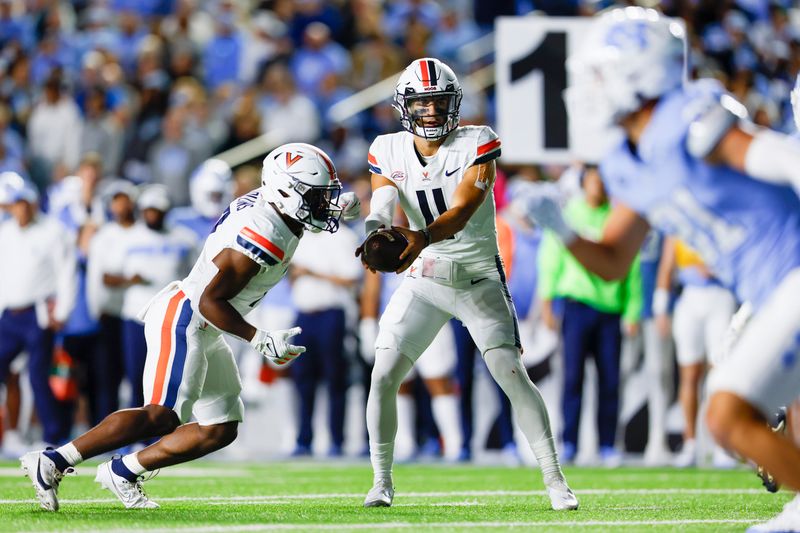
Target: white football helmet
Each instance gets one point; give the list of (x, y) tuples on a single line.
[(10, 184), (301, 180), (629, 56), (211, 188), (423, 83)]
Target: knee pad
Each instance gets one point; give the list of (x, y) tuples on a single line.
[(390, 368), (504, 360)]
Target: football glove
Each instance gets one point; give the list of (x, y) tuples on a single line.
[(274, 346), (350, 204), (541, 205)]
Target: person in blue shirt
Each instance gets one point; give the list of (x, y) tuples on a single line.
[(210, 190), (689, 167)]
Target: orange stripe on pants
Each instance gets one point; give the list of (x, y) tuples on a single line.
[(166, 346)]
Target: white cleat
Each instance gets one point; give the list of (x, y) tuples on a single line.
[(788, 521), (45, 478), (380, 495), (561, 496), (131, 494)]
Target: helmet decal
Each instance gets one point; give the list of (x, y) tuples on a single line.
[(428, 98), (292, 160)]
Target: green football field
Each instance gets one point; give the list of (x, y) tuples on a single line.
[(310, 496)]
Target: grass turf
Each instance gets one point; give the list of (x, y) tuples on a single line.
[(210, 497)]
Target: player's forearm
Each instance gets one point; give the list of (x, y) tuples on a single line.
[(222, 315), (600, 259), (449, 223)]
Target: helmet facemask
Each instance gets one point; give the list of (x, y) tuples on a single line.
[(319, 209), (431, 115)]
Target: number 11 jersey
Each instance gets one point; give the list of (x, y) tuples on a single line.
[(426, 190)]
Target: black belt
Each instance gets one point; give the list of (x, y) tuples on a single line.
[(19, 310)]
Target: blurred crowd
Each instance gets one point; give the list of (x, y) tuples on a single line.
[(111, 113)]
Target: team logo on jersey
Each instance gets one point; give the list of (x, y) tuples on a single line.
[(398, 175), (425, 177), (292, 160)]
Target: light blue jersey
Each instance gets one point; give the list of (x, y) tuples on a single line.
[(747, 231), (192, 220)]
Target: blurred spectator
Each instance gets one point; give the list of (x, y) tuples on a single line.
[(73, 200), (308, 12), (593, 314), (375, 59), (129, 37), (324, 274), (454, 32), (702, 314), (403, 14), (284, 112), (154, 256), (106, 287), (245, 124), (39, 286), (55, 124), (211, 191), (17, 90), (171, 160), (318, 58), (246, 179), (13, 27), (222, 55), (101, 132), (348, 149), (263, 42)]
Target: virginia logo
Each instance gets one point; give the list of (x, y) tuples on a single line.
[(292, 160)]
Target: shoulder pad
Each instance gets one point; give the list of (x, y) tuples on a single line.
[(709, 126)]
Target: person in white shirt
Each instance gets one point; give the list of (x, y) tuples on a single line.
[(39, 287), (324, 273), (153, 256), (190, 371), (106, 285), (55, 124)]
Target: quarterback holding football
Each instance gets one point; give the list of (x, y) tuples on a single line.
[(443, 175)]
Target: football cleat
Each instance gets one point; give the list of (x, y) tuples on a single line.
[(788, 521), (561, 496), (130, 493), (380, 495), (45, 477), (766, 478)]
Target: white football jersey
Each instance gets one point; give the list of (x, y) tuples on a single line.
[(253, 227), (425, 191)]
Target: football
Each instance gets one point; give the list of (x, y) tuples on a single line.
[(382, 250)]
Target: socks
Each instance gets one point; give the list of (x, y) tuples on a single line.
[(390, 368), (381, 455), (547, 457), (64, 456), (447, 417), (128, 467)]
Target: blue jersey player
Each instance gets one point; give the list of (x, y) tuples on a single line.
[(690, 166)]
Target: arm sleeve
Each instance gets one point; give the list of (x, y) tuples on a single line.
[(550, 261), (65, 261), (381, 208), (633, 298), (487, 146)]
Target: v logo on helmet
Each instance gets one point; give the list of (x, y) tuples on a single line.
[(292, 160)]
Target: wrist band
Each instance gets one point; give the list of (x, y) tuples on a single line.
[(426, 233)]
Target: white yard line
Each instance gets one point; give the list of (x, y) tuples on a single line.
[(8, 471), (435, 525), (448, 494)]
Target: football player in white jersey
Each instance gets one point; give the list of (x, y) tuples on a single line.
[(443, 175), (190, 370)]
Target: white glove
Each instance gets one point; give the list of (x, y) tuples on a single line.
[(350, 204), (738, 321), (367, 333), (541, 205), (273, 345)]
